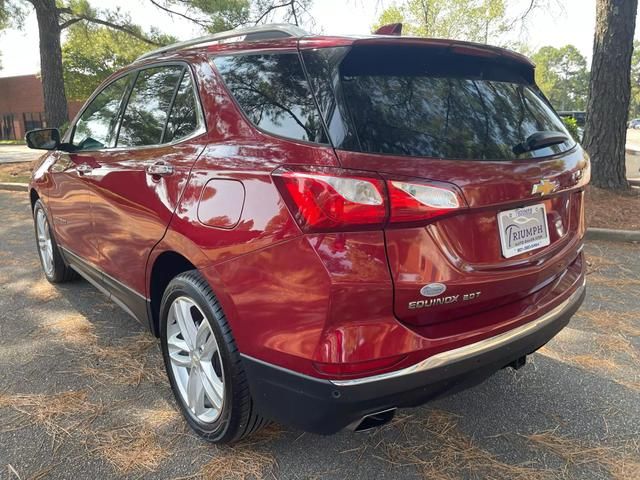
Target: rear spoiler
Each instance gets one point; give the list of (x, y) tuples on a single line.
[(455, 46), (460, 47)]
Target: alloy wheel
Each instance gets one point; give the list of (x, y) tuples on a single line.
[(195, 360), (45, 245)]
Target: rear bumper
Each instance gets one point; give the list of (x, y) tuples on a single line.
[(326, 406)]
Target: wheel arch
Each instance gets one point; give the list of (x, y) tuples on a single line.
[(33, 197), (166, 266)]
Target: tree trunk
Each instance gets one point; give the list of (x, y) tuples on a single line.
[(55, 99), (609, 91)]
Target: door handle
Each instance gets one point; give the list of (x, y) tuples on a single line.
[(160, 169), (84, 168)]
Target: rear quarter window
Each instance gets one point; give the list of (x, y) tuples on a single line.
[(273, 93)]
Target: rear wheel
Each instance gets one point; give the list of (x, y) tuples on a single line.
[(51, 260), (203, 363)]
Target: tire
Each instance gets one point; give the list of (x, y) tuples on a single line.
[(227, 414), (53, 265)]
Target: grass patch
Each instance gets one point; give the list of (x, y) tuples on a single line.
[(16, 172), (13, 142)]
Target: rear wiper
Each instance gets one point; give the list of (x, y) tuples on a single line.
[(539, 140)]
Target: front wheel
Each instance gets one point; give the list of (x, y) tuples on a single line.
[(203, 363), (53, 264)]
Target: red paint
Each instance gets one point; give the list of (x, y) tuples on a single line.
[(321, 303)]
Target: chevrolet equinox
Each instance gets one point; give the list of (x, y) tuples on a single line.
[(319, 229)]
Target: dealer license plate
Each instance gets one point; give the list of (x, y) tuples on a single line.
[(523, 230)]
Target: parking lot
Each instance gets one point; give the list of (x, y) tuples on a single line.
[(83, 395)]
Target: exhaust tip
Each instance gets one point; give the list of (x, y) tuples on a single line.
[(374, 420)]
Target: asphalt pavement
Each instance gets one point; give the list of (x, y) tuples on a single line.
[(83, 395)]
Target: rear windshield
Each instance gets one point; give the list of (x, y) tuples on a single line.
[(422, 102)]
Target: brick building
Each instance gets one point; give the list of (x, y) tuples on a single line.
[(22, 106)]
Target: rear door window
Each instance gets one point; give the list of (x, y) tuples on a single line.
[(423, 103), (147, 111), (273, 93)]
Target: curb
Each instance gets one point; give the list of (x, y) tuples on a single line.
[(613, 235), (14, 187), (592, 233)]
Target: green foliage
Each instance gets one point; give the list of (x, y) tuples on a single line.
[(473, 20), (91, 53), (572, 126), (12, 13), (211, 15), (561, 73), (634, 104), (223, 14)]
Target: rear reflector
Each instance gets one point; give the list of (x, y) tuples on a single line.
[(333, 199), (338, 370)]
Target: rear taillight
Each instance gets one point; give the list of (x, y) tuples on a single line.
[(414, 202), (332, 199)]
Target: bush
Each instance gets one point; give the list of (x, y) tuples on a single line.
[(571, 125)]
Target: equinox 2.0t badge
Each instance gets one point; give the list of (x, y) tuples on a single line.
[(433, 290)]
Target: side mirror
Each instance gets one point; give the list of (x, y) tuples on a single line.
[(43, 139)]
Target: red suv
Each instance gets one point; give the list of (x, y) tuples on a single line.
[(320, 229)]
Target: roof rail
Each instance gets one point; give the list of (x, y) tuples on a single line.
[(262, 32)]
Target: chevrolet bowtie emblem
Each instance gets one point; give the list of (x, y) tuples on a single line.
[(544, 187)]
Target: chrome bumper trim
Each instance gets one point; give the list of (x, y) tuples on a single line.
[(468, 351)]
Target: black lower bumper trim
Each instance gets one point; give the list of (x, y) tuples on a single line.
[(319, 406)]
